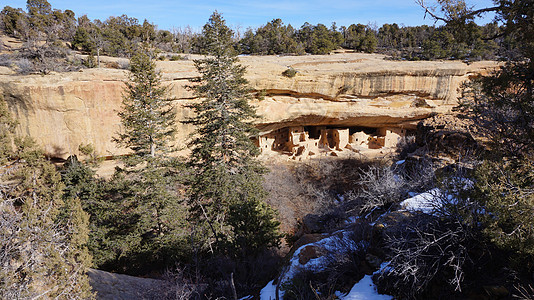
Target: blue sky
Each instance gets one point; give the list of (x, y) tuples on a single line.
[(242, 14)]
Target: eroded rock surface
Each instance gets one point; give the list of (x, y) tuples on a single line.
[(111, 286), (341, 91)]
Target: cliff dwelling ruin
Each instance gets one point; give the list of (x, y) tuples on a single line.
[(307, 141)]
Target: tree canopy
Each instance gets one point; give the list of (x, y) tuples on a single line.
[(225, 191)]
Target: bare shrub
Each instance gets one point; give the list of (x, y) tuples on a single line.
[(124, 64), (524, 292), (427, 250), (430, 248), (419, 174), (330, 189), (297, 190), (181, 286), (113, 65), (45, 59), (25, 66), (6, 60), (381, 187)]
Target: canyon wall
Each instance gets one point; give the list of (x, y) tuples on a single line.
[(64, 110)]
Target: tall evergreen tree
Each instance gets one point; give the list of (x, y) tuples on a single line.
[(145, 215), (226, 192), (147, 115)]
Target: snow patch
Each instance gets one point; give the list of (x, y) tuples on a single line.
[(339, 241), (332, 244), (426, 202), (365, 289), (269, 292)]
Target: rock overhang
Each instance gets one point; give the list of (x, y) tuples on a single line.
[(64, 110)]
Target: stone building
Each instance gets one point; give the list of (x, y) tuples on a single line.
[(311, 140)]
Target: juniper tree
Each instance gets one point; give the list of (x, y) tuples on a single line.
[(42, 236), (226, 193), (495, 214)]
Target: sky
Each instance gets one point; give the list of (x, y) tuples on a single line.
[(242, 14)]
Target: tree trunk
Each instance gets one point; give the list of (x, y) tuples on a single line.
[(233, 285)]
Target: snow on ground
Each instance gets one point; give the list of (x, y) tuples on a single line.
[(269, 292), (365, 289), (431, 201), (426, 202), (338, 242)]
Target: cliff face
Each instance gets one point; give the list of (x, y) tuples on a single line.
[(63, 111)]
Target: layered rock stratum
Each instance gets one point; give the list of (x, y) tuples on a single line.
[(62, 111)]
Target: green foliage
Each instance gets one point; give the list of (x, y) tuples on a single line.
[(122, 36), (7, 125), (12, 19), (90, 61), (319, 39), (260, 95), (38, 7), (388, 35), (143, 227), (439, 45), (502, 104), (360, 37), (82, 40), (217, 39), (39, 12), (290, 73), (176, 58), (445, 42), (254, 225), (495, 215), (504, 188), (272, 38), (43, 236), (226, 180), (147, 116), (87, 149), (137, 219)]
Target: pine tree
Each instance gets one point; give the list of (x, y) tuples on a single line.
[(226, 176), (147, 115), (146, 218)]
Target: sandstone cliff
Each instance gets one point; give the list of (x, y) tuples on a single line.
[(62, 111)]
